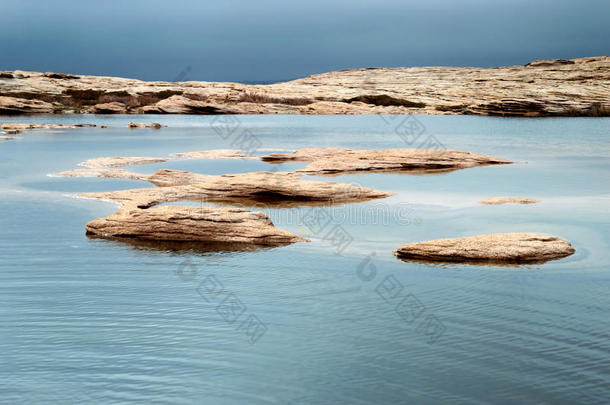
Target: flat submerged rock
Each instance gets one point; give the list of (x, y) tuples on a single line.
[(333, 161), (508, 200), (278, 188), (180, 223), (500, 248)]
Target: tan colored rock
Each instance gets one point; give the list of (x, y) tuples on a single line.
[(184, 105), (542, 88), (507, 200), (502, 248), (206, 224), (110, 108), (153, 125), (19, 127), (215, 154), (120, 161), (14, 105), (338, 160), (282, 189), (304, 155), (101, 172)]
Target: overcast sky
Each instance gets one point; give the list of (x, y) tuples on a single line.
[(272, 40)]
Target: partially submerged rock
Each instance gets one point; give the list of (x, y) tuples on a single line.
[(120, 161), (502, 248), (340, 160), (282, 189), (304, 155), (506, 200), (215, 154), (102, 172), (153, 125), (178, 223), (17, 128)]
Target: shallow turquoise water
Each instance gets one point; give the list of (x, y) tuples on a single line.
[(90, 320)]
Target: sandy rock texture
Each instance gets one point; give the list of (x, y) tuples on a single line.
[(215, 154), (278, 188), (339, 160), (508, 200), (152, 125), (500, 248), (576, 87), (16, 128), (120, 161), (176, 223)]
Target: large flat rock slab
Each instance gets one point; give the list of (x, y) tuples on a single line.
[(179, 223), (500, 248), (332, 161), (277, 188)]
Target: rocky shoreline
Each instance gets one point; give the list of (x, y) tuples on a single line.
[(576, 87)]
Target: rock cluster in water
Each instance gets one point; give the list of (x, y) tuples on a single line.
[(140, 217)]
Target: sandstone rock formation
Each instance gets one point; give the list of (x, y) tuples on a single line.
[(177, 223), (502, 248), (114, 107), (16, 128), (15, 105), (215, 154), (506, 200), (184, 105), (153, 125), (120, 161), (577, 87), (102, 172), (280, 189), (340, 160)]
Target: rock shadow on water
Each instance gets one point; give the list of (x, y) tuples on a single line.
[(184, 247)]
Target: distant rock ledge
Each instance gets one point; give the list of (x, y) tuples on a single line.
[(575, 87)]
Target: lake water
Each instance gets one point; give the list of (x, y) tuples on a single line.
[(332, 321)]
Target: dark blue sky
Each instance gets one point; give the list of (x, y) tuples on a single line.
[(264, 40)]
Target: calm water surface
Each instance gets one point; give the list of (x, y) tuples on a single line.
[(94, 321)]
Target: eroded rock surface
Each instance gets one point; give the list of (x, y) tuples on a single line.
[(502, 248), (120, 161), (339, 160), (114, 107), (16, 128), (15, 106), (507, 200), (178, 223), (215, 154), (279, 188), (576, 87), (152, 125)]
